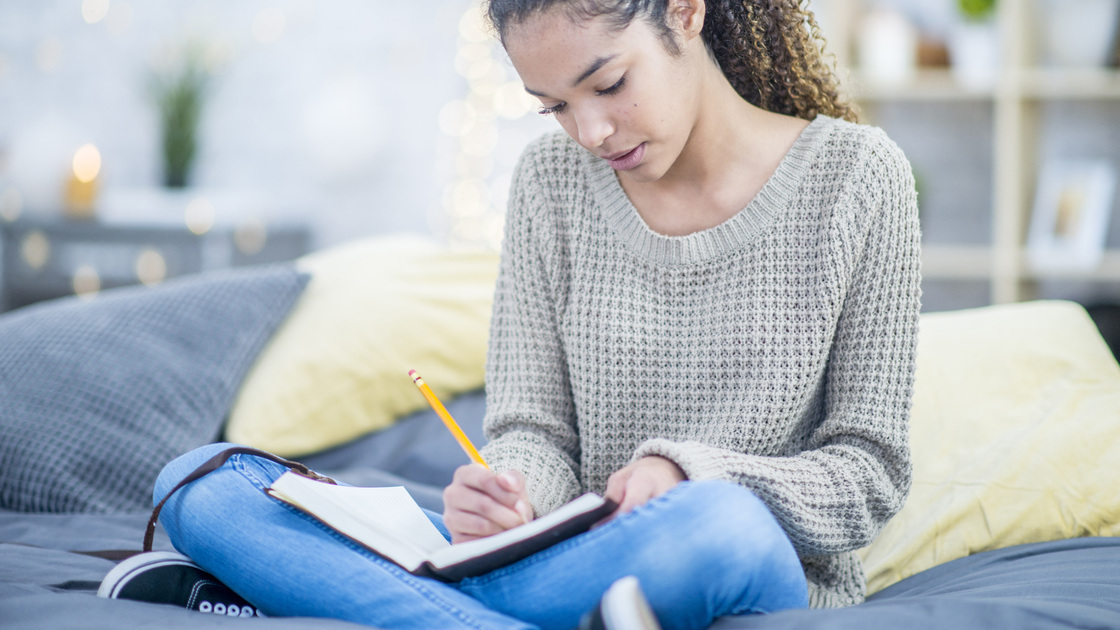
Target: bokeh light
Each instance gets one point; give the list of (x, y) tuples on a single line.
[(86, 282), (511, 101), (87, 163), (35, 249), (250, 237), (457, 118), (471, 26), (199, 215), (11, 205), (151, 268), (93, 11)]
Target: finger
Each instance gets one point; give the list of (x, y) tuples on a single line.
[(482, 480), (465, 526), (616, 485), (470, 501)]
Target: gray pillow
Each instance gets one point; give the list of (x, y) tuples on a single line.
[(96, 396)]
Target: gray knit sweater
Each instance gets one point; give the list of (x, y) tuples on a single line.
[(775, 350)]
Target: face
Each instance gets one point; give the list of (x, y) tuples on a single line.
[(619, 93)]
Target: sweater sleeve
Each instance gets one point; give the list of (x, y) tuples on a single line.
[(530, 417), (855, 473)]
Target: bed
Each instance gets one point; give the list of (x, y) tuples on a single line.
[(1011, 523)]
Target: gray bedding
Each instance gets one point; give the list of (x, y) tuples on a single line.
[(44, 584)]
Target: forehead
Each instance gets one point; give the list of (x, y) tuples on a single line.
[(555, 30), (552, 46)]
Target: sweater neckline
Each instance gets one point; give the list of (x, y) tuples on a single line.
[(729, 236)]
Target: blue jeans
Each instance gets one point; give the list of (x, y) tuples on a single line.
[(700, 551)]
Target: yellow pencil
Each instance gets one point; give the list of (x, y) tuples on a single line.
[(452, 426)]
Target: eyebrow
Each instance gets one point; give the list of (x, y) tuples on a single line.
[(592, 69)]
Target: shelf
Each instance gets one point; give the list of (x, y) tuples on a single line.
[(1071, 84), (974, 262), (932, 84), (938, 85), (1107, 271), (956, 262)]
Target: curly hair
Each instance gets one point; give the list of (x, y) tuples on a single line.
[(771, 51)]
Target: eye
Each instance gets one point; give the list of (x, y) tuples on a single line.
[(614, 88), (555, 109)]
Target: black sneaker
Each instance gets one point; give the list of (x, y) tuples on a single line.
[(166, 577), (623, 607)]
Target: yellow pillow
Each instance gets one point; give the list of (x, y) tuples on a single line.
[(1015, 433), (374, 309)]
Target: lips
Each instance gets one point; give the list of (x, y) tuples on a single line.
[(627, 160)]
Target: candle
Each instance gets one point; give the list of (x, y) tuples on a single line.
[(81, 188)]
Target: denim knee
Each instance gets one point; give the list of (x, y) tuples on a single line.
[(174, 471), (735, 533)]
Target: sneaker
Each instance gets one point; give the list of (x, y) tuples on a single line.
[(166, 577), (623, 607)]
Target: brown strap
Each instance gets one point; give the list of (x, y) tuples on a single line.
[(215, 463)]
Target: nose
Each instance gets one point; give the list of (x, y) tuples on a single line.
[(593, 126)]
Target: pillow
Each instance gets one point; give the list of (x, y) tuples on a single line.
[(96, 396), (374, 309), (1015, 433)]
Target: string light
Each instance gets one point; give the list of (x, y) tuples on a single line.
[(474, 207)]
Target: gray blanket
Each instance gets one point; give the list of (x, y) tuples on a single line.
[(44, 584)]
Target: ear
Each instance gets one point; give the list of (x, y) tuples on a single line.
[(686, 17)]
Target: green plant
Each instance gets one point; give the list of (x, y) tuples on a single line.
[(179, 93), (977, 10)]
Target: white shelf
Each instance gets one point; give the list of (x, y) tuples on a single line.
[(1017, 98), (927, 85), (956, 262), (1076, 83)]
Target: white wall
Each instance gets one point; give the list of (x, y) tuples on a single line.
[(321, 111)]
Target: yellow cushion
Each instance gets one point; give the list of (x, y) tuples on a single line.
[(374, 309), (1015, 433)]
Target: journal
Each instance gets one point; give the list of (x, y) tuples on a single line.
[(389, 522)]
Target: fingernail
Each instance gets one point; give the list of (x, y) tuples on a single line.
[(510, 480), (524, 510)]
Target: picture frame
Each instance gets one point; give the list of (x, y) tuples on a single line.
[(1072, 207)]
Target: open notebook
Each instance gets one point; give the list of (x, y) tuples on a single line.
[(388, 522)]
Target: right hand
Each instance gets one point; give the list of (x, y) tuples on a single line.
[(479, 503)]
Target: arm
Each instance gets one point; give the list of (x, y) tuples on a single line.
[(854, 473), (530, 416)]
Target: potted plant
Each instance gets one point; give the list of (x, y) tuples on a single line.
[(974, 45), (179, 91)]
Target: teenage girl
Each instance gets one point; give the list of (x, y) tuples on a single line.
[(707, 310)]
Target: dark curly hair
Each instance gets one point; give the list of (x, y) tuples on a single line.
[(771, 51)]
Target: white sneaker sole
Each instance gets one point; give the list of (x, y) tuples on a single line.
[(122, 574), (624, 607)]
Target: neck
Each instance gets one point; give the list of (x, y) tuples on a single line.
[(729, 135)]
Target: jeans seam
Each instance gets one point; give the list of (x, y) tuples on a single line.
[(406, 577)]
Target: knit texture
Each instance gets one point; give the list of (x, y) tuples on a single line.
[(775, 350)]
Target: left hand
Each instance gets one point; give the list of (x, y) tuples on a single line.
[(639, 482)]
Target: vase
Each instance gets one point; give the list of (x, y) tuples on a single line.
[(974, 54)]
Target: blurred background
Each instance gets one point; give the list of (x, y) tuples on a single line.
[(142, 140)]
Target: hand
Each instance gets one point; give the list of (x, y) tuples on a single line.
[(479, 503), (641, 481)]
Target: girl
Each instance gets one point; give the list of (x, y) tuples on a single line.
[(707, 310)]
